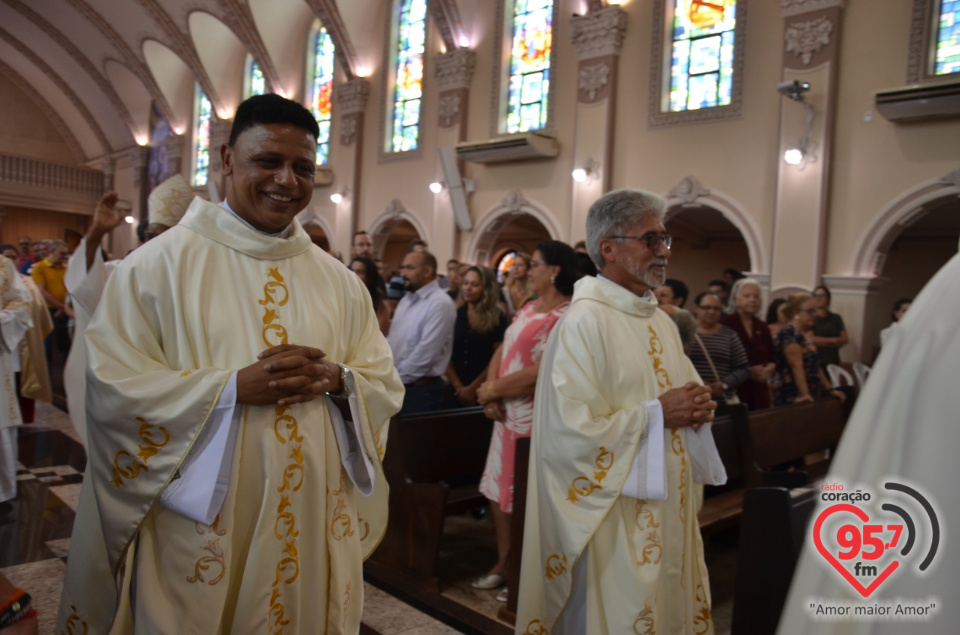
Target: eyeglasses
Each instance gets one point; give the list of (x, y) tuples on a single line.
[(409, 267), (653, 240), (710, 308), (819, 295)]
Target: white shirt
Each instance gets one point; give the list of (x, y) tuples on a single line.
[(421, 334)]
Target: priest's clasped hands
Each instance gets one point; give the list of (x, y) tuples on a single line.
[(689, 405), (286, 375)]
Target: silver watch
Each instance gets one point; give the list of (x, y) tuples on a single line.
[(347, 382)]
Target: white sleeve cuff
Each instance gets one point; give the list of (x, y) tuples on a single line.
[(647, 479), (353, 454), (199, 491), (705, 462)]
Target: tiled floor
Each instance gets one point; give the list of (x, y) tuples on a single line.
[(35, 539)]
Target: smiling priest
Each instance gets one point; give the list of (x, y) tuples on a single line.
[(238, 394)]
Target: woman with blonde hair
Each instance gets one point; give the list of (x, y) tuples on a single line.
[(478, 330), (799, 377), (518, 289)]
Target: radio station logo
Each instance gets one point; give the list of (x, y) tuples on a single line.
[(869, 538)]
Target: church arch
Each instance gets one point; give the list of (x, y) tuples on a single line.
[(485, 245), (902, 211), (689, 193)]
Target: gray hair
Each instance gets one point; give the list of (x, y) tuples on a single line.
[(53, 245), (615, 212), (735, 291)]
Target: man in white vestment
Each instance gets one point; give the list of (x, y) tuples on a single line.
[(15, 321), (87, 274), (238, 391), (904, 429), (611, 540)]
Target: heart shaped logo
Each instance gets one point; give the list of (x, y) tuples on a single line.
[(853, 538)]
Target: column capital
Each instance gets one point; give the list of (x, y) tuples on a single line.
[(351, 96), (454, 69), (791, 8), (599, 33)]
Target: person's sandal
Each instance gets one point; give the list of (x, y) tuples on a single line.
[(490, 581)]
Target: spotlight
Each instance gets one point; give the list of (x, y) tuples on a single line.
[(436, 187), (793, 156), (130, 219), (336, 197)]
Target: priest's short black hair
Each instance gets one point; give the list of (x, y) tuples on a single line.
[(272, 108)]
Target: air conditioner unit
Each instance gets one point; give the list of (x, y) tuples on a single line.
[(529, 145), (932, 101), (323, 176)]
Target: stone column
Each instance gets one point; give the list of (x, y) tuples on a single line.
[(176, 145), (810, 54), (109, 168), (597, 37), (453, 71), (219, 136), (351, 99)]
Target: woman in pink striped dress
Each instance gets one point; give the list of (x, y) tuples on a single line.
[(507, 396)]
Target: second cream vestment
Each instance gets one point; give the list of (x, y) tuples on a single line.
[(177, 319)]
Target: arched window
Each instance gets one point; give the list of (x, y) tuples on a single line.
[(528, 76), (947, 48), (408, 50), (699, 48), (320, 87), (701, 60), (254, 83), (934, 41), (203, 114)]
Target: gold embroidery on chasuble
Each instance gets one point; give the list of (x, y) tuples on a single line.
[(536, 627), (701, 619), (676, 442), (644, 624), (659, 369), (286, 429), (583, 485), (74, 625), (556, 566), (342, 523), (126, 466), (212, 533), (653, 548), (185, 373), (346, 603)]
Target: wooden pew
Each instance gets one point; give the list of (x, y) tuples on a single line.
[(772, 531), (433, 464), (776, 436), (722, 504)]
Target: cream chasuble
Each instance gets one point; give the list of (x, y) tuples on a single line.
[(643, 565), (904, 429), (284, 554), (85, 287), (15, 322)]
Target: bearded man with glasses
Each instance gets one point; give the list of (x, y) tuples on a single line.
[(611, 536)]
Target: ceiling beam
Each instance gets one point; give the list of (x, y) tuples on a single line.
[(76, 149), (135, 62), (51, 74), (80, 58)]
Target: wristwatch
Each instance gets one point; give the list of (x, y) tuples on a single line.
[(347, 383)]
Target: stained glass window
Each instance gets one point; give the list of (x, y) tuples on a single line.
[(408, 90), (256, 83), (529, 80), (948, 39), (701, 68), (201, 138), (321, 89)]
